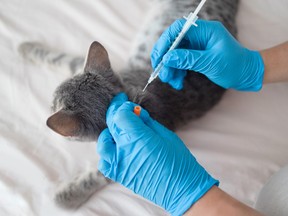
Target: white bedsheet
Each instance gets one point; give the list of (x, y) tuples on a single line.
[(242, 142)]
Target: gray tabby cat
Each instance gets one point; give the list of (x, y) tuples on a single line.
[(80, 103)]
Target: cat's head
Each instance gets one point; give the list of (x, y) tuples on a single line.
[(81, 102)]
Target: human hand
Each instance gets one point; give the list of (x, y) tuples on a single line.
[(211, 50), (149, 159)]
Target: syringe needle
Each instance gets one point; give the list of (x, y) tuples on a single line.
[(190, 20), (145, 87)]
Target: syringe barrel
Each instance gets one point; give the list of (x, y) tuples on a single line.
[(189, 22)]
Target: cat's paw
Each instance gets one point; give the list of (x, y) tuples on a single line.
[(75, 193), (28, 50)]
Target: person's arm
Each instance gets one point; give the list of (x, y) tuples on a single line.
[(216, 202), (147, 158), (276, 63)]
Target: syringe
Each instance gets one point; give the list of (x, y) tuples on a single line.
[(190, 20)]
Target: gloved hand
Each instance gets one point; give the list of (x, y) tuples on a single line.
[(211, 50), (149, 159)]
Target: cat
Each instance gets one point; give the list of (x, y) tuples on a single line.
[(80, 103)]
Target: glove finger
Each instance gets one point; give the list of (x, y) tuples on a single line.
[(163, 44), (121, 97), (197, 37), (116, 102), (166, 74), (144, 115), (187, 60), (173, 76), (178, 77), (104, 167), (127, 126), (133, 128), (106, 146)]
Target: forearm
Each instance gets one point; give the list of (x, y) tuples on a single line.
[(216, 202), (276, 63)]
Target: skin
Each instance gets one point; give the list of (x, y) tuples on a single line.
[(276, 63), (217, 202)]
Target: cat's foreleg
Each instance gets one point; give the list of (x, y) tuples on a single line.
[(75, 193), (59, 61)]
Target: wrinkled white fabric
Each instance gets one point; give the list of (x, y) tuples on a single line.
[(242, 141)]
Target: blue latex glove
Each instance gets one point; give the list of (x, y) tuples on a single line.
[(149, 159), (211, 50)]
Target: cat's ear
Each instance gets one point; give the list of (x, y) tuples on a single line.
[(64, 123), (97, 57)]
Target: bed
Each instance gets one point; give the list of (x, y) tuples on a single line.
[(241, 142)]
